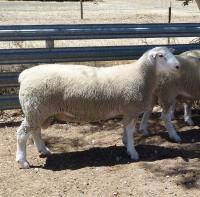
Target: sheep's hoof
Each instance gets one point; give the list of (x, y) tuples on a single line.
[(176, 138), (145, 132), (44, 152), (172, 117), (190, 122), (134, 156), (23, 164)]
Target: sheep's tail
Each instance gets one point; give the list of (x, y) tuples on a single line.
[(23, 75)]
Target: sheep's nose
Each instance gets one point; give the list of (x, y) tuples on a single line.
[(177, 66)]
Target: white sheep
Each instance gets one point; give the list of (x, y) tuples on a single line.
[(193, 53), (82, 93), (187, 103), (184, 83)]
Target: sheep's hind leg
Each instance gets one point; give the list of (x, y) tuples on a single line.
[(39, 142), (188, 114), (166, 116), (173, 109), (23, 133), (144, 122), (129, 140), (146, 116)]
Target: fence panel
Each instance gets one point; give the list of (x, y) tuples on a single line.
[(49, 33)]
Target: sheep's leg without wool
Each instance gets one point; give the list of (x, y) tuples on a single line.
[(188, 114), (129, 129), (173, 108), (166, 116), (23, 134), (39, 142), (144, 122)]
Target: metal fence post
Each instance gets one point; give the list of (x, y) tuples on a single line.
[(50, 44), (81, 8), (169, 18)]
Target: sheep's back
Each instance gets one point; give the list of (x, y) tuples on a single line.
[(87, 93)]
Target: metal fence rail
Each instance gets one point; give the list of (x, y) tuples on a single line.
[(97, 31), (49, 33), (9, 102), (76, 54), (9, 79)]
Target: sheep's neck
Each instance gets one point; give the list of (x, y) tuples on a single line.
[(148, 70)]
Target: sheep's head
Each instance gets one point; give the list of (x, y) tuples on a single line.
[(164, 60)]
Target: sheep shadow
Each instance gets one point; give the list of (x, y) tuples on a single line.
[(189, 136), (187, 171), (114, 155), (10, 124)]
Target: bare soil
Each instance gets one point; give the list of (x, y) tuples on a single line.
[(89, 159)]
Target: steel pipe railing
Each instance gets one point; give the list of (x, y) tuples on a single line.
[(9, 102), (49, 33), (9, 79), (97, 31), (76, 54)]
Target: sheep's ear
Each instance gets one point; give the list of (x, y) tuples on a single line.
[(172, 50)]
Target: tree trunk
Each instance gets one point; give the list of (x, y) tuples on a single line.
[(198, 3)]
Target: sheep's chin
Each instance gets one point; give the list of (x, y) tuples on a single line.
[(161, 69)]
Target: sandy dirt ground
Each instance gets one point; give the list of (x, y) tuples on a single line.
[(89, 159)]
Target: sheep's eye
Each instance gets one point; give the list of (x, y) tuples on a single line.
[(160, 55)]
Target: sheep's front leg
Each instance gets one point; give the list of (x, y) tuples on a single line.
[(129, 140), (166, 116), (36, 133), (23, 133), (188, 114)]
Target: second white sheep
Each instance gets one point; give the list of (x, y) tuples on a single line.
[(184, 83)]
